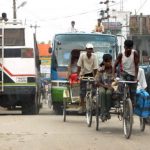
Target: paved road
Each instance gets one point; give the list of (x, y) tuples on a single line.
[(47, 131)]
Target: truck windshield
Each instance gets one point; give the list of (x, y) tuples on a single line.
[(65, 43)]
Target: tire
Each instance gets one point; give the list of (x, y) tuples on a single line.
[(49, 101), (58, 108), (64, 111), (97, 113), (142, 124), (30, 105), (127, 118), (40, 101), (89, 110)]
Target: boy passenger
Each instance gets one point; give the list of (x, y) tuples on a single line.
[(104, 80)]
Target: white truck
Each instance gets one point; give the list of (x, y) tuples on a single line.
[(19, 67)]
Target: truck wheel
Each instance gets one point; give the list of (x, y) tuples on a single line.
[(31, 105)]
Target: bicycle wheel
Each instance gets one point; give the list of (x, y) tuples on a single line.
[(97, 113), (64, 110), (49, 101), (127, 118), (89, 109), (142, 124)]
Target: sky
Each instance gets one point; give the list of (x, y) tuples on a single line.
[(54, 16)]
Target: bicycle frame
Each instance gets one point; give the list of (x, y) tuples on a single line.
[(89, 81), (126, 88), (89, 98)]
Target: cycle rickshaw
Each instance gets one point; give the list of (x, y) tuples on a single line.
[(71, 100), (71, 95), (124, 110)]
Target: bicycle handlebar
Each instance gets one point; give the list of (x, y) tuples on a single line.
[(123, 81), (87, 79)]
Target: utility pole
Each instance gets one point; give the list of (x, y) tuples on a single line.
[(107, 11), (35, 28), (121, 5), (14, 10)]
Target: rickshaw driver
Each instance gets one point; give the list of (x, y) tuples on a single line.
[(87, 67), (129, 62)]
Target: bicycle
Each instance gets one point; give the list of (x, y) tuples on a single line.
[(89, 99), (127, 109)]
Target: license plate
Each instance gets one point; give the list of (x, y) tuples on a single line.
[(21, 80)]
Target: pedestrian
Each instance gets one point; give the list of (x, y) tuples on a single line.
[(87, 67)]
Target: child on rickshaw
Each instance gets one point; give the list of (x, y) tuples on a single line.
[(104, 80)]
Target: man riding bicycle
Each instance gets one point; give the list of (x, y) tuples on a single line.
[(129, 61), (87, 67)]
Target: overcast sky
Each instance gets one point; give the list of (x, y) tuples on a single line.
[(53, 16)]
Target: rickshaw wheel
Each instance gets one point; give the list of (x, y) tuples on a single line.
[(142, 124), (127, 118), (97, 114), (89, 110), (64, 111)]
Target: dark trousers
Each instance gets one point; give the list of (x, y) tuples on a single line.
[(83, 86), (132, 86), (105, 99)]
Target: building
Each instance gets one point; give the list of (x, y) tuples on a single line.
[(113, 27), (140, 24), (45, 58)]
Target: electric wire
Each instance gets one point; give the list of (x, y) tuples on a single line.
[(141, 6)]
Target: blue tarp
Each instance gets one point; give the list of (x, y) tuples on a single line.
[(142, 106)]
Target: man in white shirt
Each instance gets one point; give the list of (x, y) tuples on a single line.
[(72, 29), (87, 66), (129, 62), (141, 79)]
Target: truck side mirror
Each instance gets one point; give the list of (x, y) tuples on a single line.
[(39, 62), (50, 50)]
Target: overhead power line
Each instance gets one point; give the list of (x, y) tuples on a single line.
[(73, 15), (141, 6)]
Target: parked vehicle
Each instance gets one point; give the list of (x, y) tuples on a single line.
[(19, 67)]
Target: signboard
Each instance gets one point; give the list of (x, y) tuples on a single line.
[(45, 69), (45, 61), (112, 25)]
